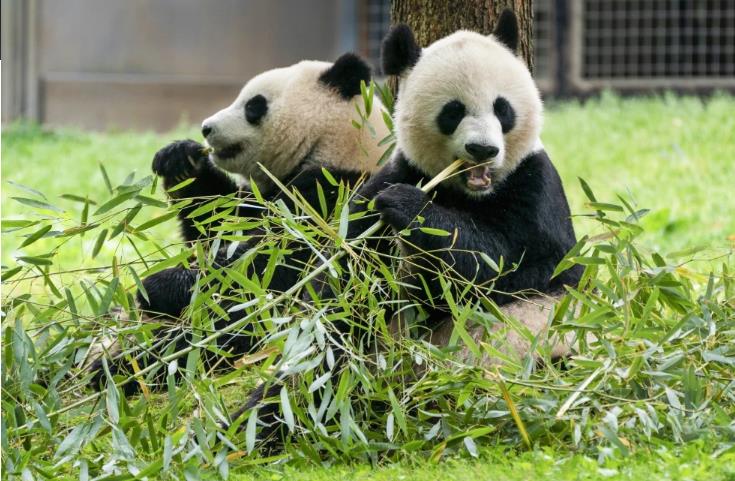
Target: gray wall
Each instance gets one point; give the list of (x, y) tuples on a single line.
[(151, 63)]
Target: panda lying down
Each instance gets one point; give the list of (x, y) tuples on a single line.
[(469, 97)]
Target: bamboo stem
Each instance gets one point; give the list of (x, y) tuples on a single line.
[(447, 172)]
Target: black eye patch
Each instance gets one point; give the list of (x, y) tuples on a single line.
[(255, 109), (451, 115), (505, 114)]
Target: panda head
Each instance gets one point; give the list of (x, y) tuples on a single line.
[(466, 96), (285, 117)]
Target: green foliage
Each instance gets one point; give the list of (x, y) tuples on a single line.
[(653, 371)]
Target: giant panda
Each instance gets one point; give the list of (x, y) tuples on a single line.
[(470, 97), (295, 121)]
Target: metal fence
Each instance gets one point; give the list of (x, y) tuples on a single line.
[(147, 64), (643, 44), (586, 45)]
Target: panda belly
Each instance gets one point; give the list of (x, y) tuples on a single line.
[(534, 313)]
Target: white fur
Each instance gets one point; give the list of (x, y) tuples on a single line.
[(534, 313), (474, 69), (304, 118)]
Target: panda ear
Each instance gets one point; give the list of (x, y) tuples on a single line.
[(345, 75), (400, 50), (506, 30)]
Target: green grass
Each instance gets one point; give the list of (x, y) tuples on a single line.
[(671, 155), (692, 462)]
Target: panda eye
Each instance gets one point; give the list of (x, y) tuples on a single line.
[(451, 115), (505, 114), (255, 109)]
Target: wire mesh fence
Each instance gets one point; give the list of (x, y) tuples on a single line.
[(653, 43)]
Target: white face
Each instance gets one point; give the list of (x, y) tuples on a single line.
[(468, 98), (284, 117)]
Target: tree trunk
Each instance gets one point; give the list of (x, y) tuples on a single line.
[(431, 20)]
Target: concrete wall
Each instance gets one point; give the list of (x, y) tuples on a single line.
[(143, 64)]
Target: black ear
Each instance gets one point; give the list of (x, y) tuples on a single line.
[(400, 50), (506, 30), (345, 75)]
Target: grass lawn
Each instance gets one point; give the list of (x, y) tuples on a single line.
[(672, 155)]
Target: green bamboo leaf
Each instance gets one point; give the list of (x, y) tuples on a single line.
[(138, 283), (604, 206), (37, 204), (106, 178), (78, 198), (181, 185), (397, 411), (71, 304), (114, 202), (125, 222), (35, 236), (8, 273), (250, 431), (30, 190), (98, 244), (144, 199), (387, 120), (287, 412), (469, 443), (155, 221), (434, 231), (587, 190), (330, 178), (36, 260), (9, 225)]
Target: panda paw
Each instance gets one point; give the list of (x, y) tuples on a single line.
[(400, 204), (168, 292), (179, 161)]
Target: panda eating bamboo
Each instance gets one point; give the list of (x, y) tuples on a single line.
[(467, 96)]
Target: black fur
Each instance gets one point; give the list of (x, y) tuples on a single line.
[(505, 114), (272, 431), (526, 220), (346, 74), (255, 109), (400, 50), (450, 116), (506, 30), (185, 159)]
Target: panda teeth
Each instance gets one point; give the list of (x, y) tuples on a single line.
[(479, 177)]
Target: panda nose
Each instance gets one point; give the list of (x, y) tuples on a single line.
[(206, 130), (481, 152)]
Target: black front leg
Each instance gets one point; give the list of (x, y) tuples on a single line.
[(186, 159), (404, 207)]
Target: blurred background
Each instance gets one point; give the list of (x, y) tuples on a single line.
[(152, 64)]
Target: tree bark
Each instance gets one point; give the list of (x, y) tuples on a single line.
[(431, 20)]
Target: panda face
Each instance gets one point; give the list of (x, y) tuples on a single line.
[(468, 97), (239, 135), (285, 117)]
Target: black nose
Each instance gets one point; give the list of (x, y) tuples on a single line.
[(481, 152), (206, 130)]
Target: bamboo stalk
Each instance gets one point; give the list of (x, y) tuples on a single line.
[(441, 176)]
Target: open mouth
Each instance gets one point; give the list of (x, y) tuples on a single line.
[(477, 177), (228, 152)]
